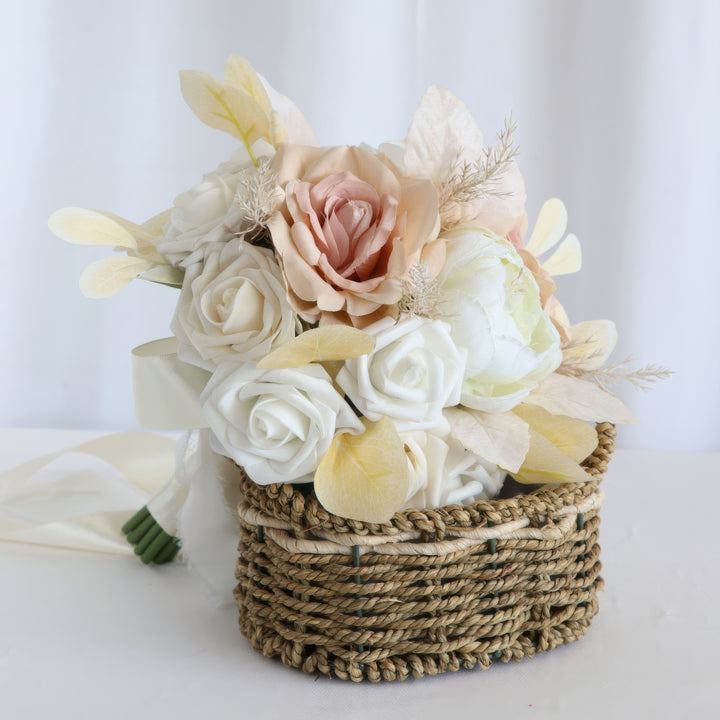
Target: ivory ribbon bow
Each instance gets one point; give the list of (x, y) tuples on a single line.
[(80, 497)]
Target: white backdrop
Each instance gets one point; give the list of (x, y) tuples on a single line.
[(618, 111)]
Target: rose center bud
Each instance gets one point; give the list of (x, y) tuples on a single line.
[(411, 374), (235, 307), (355, 225)]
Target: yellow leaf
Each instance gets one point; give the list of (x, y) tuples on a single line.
[(226, 108), (549, 228), (165, 275), (83, 226), (240, 74), (546, 464), (364, 477), (566, 259), (157, 222), (592, 342), (581, 399), (105, 277), (574, 438), (500, 438), (141, 234), (331, 342)]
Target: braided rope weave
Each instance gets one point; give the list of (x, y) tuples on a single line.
[(430, 591)]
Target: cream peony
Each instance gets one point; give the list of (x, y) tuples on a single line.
[(348, 229), (277, 424), (205, 214), (443, 472), (414, 372), (232, 307), (497, 316)]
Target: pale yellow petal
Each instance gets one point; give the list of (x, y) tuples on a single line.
[(574, 438), (559, 315), (165, 275), (240, 74), (330, 342), (364, 477), (442, 131), (141, 234), (105, 277), (83, 226), (546, 464), (157, 222), (580, 399), (566, 259), (592, 342), (500, 438), (549, 228), (277, 128), (225, 108)]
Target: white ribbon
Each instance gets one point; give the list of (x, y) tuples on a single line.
[(80, 498), (167, 390)]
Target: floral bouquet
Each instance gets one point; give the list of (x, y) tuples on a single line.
[(375, 326)]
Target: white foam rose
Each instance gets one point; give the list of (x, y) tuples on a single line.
[(277, 424), (414, 372), (443, 472), (206, 214), (233, 307), (497, 316)]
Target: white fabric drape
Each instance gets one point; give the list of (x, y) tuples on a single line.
[(618, 110)]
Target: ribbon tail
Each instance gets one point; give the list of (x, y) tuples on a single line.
[(79, 498)]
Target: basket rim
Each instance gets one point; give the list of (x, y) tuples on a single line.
[(287, 503)]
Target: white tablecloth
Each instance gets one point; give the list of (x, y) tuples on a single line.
[(86, 635)]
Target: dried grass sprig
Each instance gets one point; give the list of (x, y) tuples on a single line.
[(255, 199), (467, 181), (604, 377), (421, 295), (495, 160)]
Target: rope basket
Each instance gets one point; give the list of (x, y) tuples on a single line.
[(429, 591)]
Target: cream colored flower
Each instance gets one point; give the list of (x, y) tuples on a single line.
[(232, 307), (277, 424), (347, 231), (497, 316), (442, 472), (414, 372), (206, 214)]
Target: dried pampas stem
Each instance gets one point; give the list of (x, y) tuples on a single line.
[(640, 378), (421, 294), (255, 199)]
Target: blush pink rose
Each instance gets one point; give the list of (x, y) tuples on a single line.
[(348, 229)]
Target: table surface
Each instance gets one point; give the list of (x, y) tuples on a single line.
[(85, 635)]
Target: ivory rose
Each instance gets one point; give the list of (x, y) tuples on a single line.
[(414, 372), (348, 229), (497, 315), (205, 214), (443, 472), (232, 307), (277, 424)]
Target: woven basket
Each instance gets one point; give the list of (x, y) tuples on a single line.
[(430, 591)]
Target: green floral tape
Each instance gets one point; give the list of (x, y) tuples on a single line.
[(151, 542)]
